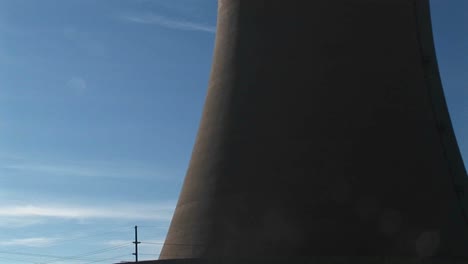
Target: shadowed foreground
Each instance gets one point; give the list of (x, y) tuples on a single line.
[(313, 260)]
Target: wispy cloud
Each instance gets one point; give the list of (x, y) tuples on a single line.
[(91, 44), (54, 169), (60, 168), (161, 212), (168, 22), (30, 242), (19, 222), (77, 84)]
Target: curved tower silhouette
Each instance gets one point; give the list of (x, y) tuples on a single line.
[(325, 132)]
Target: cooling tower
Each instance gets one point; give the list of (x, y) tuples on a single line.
[(325, 132)]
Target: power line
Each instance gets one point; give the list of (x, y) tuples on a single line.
[(101, 260), (80, 256), (154, 226), (153, 243), (171, 244), (103, 250), (19, 260), (57, 258)]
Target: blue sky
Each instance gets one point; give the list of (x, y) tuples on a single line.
[(99, 106)]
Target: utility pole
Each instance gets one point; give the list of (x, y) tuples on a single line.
[(136, 242)]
